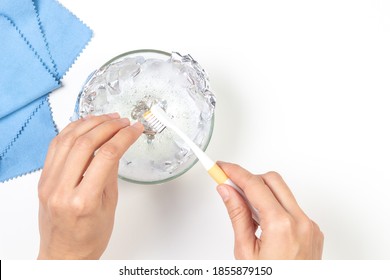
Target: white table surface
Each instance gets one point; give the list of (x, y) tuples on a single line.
[(302, 88)]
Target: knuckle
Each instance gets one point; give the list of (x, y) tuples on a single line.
[(283, 224), (76, 206), (67, 139), (43, 195), (273, 176), (79, 205), (253, 179), (317, 231), (320, 236), (237, 213), (109, 151), (306, 226), (83, 206), (84, 142), (286, 222)]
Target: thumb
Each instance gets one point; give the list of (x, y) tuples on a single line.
[(242, 222)]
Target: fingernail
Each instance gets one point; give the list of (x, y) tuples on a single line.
[(138, 125), (125, 121), (223, 192), (114, 115)]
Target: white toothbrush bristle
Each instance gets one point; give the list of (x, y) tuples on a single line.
[(153, 122)]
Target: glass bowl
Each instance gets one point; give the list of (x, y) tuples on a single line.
[(134, 81)]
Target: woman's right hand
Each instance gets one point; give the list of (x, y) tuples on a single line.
[(287, 232)]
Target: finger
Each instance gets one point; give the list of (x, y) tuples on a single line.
[(241, 219), (282, 193), (72, 126), (106, 160), (53, 145), (256, 191), (65, 140), (84, 147)]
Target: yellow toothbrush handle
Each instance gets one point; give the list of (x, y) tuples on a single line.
[(220, 177), (217, 174)]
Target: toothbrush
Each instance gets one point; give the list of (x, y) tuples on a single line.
[(158, 120)]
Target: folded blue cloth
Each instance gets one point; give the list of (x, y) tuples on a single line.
[(29, 71), (23, 77), (24, 15), (66, 35), (28, 152), (12, 125)]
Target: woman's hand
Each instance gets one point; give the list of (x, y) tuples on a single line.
[(78, 189), (287, 233)]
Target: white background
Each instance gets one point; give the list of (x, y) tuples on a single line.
[(302, 88)]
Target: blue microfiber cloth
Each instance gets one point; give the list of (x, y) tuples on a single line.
[(28, 153), (11, 126), (23, 77), (65, 34), (23, 14), (32, 71)]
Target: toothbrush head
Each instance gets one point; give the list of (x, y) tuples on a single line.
[(153, 122)]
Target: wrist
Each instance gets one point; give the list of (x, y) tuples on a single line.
[(46, 255)]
